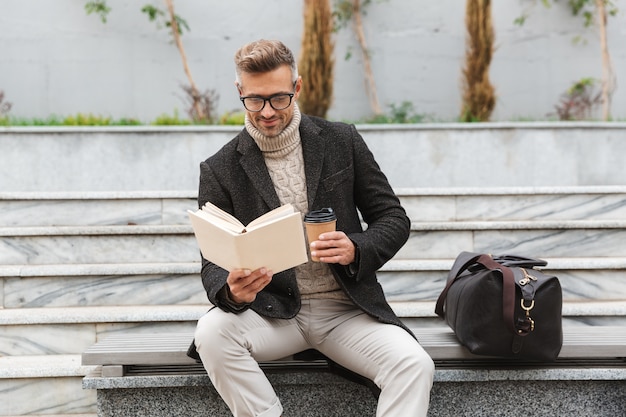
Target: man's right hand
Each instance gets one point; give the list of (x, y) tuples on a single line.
[(244, 285)]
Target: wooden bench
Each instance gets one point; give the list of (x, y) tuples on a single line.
[(592, 361), (118, 354)]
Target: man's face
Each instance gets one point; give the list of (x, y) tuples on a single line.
[(269, 121)]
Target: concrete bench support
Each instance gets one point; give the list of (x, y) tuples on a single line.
[(588, 379), (540, 392)]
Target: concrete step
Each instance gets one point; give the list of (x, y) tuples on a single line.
[(20, 209), (42, 366), (97, 244), (75, 267), (45, 385), (581, 278), (514, 203), (38, 286), (423, 155), (45, 331), (176, 243), (571, 238)]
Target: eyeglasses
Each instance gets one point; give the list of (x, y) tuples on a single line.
[(277, 101)]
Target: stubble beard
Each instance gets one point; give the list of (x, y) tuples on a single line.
[(272, 131)]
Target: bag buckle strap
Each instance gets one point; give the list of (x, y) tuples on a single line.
[(527, 324)]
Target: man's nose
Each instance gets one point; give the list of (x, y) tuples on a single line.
[(268, 111)]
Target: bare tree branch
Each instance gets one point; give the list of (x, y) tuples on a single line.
[(181, 49), (608, 76), (369, 74)]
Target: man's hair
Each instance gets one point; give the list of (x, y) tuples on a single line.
[(264, 56)]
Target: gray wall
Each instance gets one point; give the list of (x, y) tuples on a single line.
[(54, 59), (425, 156)]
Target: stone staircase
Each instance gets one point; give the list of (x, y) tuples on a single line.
[(78, 266)]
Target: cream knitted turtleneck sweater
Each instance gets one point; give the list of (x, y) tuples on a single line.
[(285, 163)]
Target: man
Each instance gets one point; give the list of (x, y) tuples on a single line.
[(336, 305)]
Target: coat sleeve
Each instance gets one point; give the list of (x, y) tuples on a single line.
[(388, 226), (213, 277)]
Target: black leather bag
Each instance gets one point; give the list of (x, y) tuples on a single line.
[(503, 306)]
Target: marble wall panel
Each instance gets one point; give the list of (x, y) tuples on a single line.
[(85, 212), (542, 207), (98, 249), (109, 329), (435, 321), (79, 212), (124, 159), (103, 291), (553, 243), (175, 210), (46, 339), (429, 208), (416, 322), (579, 285), (45, 396), (446, 244), (594, 321), (436, 245), (52, 339), (411, 285)]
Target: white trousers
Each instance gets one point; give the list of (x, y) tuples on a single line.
[(231, 344)]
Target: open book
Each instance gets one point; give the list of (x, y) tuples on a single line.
[(275, 240)]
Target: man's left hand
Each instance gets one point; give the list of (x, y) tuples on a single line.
[(333, 248)]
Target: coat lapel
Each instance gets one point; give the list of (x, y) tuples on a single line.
[(313, 150), (253, 164)]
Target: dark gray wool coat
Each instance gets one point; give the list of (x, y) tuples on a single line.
[(340, 173)]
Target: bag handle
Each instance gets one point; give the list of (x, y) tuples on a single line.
[(508, 292), (461, 263), (520, 261)]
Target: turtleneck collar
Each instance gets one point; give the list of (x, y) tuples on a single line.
[(281, 145)]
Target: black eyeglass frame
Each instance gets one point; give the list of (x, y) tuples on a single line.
[(269, 99)]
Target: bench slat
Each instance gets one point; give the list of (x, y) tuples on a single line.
[(578, 342), (439, 342)]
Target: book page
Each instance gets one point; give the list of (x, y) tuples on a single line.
[(213, 210), (216, 243), (218, 221), (271, 216), (277, 245)]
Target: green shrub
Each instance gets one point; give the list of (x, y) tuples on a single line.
[(79, 119), (402, 113), (233, 118), (167, 120)]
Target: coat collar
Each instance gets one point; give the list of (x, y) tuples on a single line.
[(313, 150)]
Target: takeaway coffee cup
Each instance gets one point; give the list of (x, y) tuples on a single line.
[(318, 222)]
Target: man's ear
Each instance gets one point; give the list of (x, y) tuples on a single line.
[(238, 87), (298, 86)]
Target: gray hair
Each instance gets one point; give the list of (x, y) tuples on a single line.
[(264, 56)]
